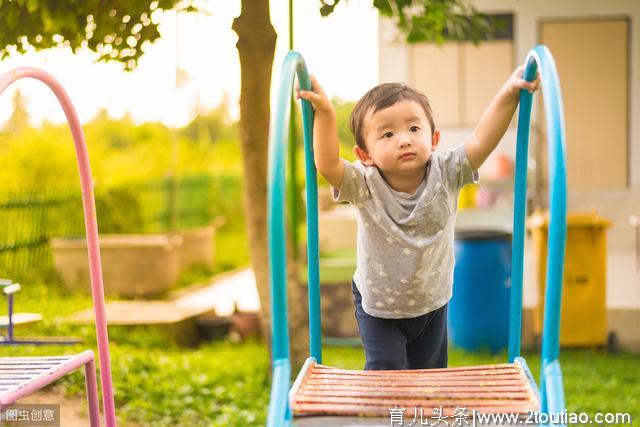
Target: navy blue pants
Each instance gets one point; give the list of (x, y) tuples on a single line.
[(411, 343)]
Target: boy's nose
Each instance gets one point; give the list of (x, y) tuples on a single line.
[(404, 140)]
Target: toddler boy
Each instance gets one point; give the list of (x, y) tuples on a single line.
[(405, 192)]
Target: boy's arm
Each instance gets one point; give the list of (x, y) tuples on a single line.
[(496, 118), (325, 135)]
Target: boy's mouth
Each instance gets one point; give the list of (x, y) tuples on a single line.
[(407, 156)]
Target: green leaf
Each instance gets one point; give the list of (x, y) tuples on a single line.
[(327, 9), (32, 5), (383, 6)]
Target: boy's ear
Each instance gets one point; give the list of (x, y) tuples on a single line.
[(363, 156), (435, 140)]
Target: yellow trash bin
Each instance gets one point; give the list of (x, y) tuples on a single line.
[(467, 197), (583, 315)]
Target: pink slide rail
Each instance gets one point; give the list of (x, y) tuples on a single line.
[(91, 225)]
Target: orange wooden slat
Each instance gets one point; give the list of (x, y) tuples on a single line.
[(412, 393), (326, 391)]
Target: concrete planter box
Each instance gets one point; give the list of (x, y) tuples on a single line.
[(197, 247), (132, 265), (135, 264), (337, 229)]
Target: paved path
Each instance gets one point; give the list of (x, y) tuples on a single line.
[(233, 289)]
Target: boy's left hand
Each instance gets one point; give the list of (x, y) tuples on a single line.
[(516, 82)]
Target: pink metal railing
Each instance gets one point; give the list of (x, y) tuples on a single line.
[(95, 267)]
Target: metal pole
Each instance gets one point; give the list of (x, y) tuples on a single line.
[(294, 188)]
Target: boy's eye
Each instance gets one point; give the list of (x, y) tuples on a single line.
[(387, 135), (414, 128)]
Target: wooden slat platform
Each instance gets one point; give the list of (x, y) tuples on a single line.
[(322, 391)]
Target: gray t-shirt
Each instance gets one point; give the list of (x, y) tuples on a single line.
[(405, 242)]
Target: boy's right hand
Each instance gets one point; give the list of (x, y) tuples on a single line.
[(317, 97), (325, 133)]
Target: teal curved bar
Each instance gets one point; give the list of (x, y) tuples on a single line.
[(551, 386), (294, 65)]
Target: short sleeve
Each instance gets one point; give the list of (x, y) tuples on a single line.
[(457, 169), (353, 187)]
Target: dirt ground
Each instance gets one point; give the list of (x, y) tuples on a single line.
[(73, 411)]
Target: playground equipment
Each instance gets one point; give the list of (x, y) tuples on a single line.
[(21, 376), (9, 289), (323, 395)]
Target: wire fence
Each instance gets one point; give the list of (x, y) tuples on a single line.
[(29, 220)]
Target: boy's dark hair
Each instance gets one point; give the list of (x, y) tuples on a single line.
[(383, 96)]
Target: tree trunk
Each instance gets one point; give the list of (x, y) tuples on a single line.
[(256, 47)]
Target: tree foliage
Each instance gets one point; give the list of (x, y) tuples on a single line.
[(430, 20), (121, 30), (117, 30), (121, 152), (343, 113), (212, 126)]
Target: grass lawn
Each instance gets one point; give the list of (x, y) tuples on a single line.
[(227, 384)]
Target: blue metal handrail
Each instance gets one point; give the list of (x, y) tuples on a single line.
[(294, 65), (550, 375)]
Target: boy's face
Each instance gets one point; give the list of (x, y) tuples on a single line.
[(398, 139)]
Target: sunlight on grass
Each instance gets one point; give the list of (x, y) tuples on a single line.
[(227, 384)]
